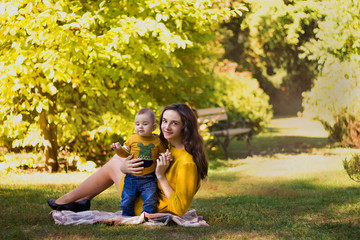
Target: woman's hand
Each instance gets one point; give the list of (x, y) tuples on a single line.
[(168, 155), (130, 165), (163, 163)]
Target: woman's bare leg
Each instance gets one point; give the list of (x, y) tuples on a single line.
[(99, 181)]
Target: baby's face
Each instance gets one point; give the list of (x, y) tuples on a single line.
[(143, 125)]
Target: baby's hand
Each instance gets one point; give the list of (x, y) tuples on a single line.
[(116, 146), (168, 155)]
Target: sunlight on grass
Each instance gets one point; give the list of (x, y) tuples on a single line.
[(266, 176), (39, 178), (289, 166)]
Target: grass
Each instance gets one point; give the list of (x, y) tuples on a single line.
[(293, 187)]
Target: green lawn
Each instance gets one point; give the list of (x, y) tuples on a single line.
[(293, 187)]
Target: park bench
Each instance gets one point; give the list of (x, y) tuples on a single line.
[(223, 131)]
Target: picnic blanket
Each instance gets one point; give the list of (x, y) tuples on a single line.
[(189, 219)]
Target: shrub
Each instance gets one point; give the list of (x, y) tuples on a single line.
[(11, 162), (346, 130), (353, 132), (352, 167), (242, 97)]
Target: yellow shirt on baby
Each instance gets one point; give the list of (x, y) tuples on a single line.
[(183, 178), (146, 148)]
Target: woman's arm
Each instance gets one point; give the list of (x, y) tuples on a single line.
[(129, 165), (187, 184)]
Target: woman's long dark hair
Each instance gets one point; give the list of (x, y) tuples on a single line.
[(191, 138)]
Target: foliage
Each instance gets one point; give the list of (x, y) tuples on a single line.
[(241, 96), (76, 72), (345, 130), (267, 41), (353, 132), (352, 167), (335, 96), (335, 93), (85, 166), (11, 162)]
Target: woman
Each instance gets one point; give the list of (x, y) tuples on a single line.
[(178, 181)]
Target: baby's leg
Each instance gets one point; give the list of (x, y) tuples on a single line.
[(149, 193), (99, 181), (128, 195)]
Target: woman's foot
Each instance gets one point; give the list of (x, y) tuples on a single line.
[(80, 206), (60, 207), (83, 205)]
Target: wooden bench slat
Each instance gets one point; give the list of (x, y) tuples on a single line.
[(231, 131), (213, 118), (210, 111)]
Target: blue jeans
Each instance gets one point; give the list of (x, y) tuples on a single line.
[(135, 185)]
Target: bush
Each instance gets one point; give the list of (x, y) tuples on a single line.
[(353, 132), (242, 97), (11, 162), (352, 167)]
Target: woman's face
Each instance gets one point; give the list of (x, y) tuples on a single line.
[(171, 126)]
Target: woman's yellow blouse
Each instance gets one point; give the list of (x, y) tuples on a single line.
[(183, 177)]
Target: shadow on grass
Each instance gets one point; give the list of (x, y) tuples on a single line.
[(21, 211), (273, 130), (297, 209), (26, 215), (271, 145)]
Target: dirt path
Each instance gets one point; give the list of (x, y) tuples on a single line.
[(296, 126)]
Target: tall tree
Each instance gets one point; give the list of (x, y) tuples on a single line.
[(75, 71)]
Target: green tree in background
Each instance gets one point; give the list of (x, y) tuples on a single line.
[(74, 72), (335, 97), (291, 47), (267, 41)]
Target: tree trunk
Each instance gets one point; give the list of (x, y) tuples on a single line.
[(49, 131)]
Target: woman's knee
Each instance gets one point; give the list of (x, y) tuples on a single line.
[(112, 168)]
